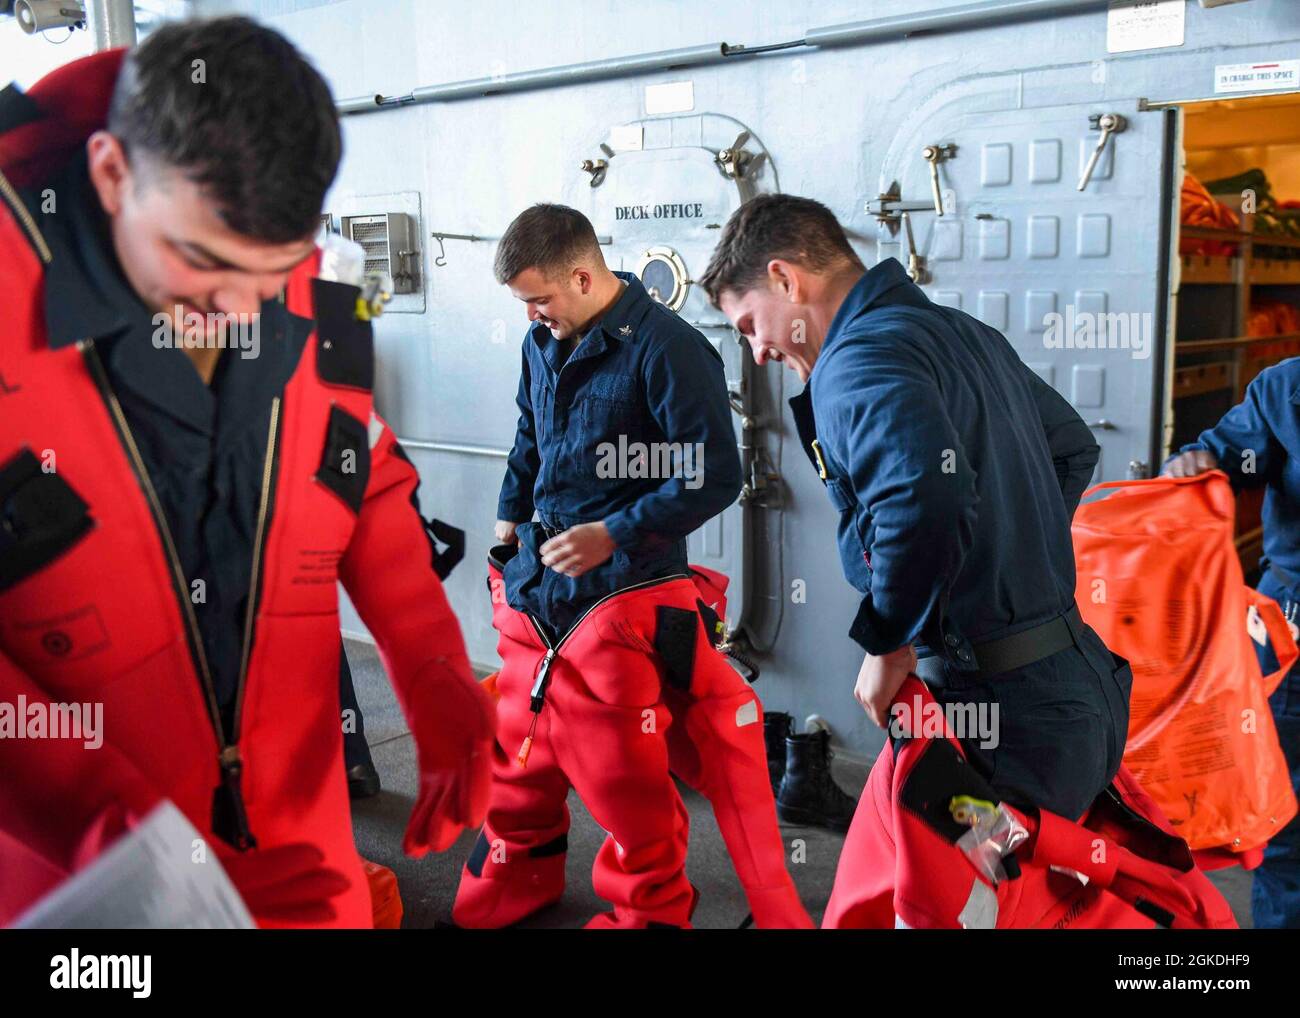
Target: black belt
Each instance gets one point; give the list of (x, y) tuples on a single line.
[(1008, 653), (551, 531)]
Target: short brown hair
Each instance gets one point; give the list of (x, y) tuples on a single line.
[(771, 226), (550, 238), (259, 133)]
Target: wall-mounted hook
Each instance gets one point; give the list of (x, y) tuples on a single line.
[(440, 236)]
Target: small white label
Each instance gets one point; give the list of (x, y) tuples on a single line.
[(625, 138), (1145, 24), (670, 97), (1255, 626), (1274, 74)]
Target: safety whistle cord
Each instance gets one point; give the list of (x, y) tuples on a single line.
[(536, 701), (537, 697)]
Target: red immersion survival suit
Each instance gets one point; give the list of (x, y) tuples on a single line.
[(931, 847), (636, 688)]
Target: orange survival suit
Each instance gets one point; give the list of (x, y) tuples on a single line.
[(93, 606)]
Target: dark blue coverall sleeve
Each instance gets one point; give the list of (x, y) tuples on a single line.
[(1243, 442), (907, 467), (686, 390), (1074, 451), (515, 503)]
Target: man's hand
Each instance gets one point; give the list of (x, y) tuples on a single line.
[(579, 549), (879, 679), (1191, 463), (505, 532)]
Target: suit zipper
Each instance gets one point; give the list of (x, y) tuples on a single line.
[(228, 801), (537, 695), (259, 544), (25, 219)]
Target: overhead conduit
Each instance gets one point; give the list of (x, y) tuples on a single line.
[(858, 33)]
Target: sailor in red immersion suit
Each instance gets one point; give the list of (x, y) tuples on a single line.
[(174, 521)]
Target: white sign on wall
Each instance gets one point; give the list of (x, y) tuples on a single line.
[(669, 97), (1272, 74), (1145, 24)]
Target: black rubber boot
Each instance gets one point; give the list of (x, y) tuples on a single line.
[(809, 795), (363, 778), (775, 728)]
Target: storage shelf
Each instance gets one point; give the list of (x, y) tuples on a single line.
[(1238, 236), (1201, 378), (1199, 269), (1195, 345), (1268, 272), (1213, 233)]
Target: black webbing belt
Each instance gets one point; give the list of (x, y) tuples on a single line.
[(1009, 653)]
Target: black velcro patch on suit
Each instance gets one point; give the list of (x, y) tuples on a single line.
[(453, 537), (345, 463), (479, 856), (940, 774), (1140, 835), (675, 643), (345, 349), (556, 846), (435, 530), (41, 517), (713, 627), (1160, 916)]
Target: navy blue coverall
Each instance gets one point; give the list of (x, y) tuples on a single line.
[(643, 391), (1258, 444), (956, 471)]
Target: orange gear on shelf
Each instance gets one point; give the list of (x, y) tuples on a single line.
[(1198, 207)]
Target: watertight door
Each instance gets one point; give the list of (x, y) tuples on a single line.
[(667, 188), (1070, 276)]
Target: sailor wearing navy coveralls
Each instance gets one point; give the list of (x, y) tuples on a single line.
[(596, 612), (639, 374), (1257, 443), (956, 471)]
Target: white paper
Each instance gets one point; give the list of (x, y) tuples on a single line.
[(1145, 24), (626, 138), (147, 879)]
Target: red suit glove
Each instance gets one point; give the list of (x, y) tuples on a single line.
[(286, 884), (456, 722)]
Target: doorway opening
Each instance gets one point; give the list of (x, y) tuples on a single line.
[(1235, 290)]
